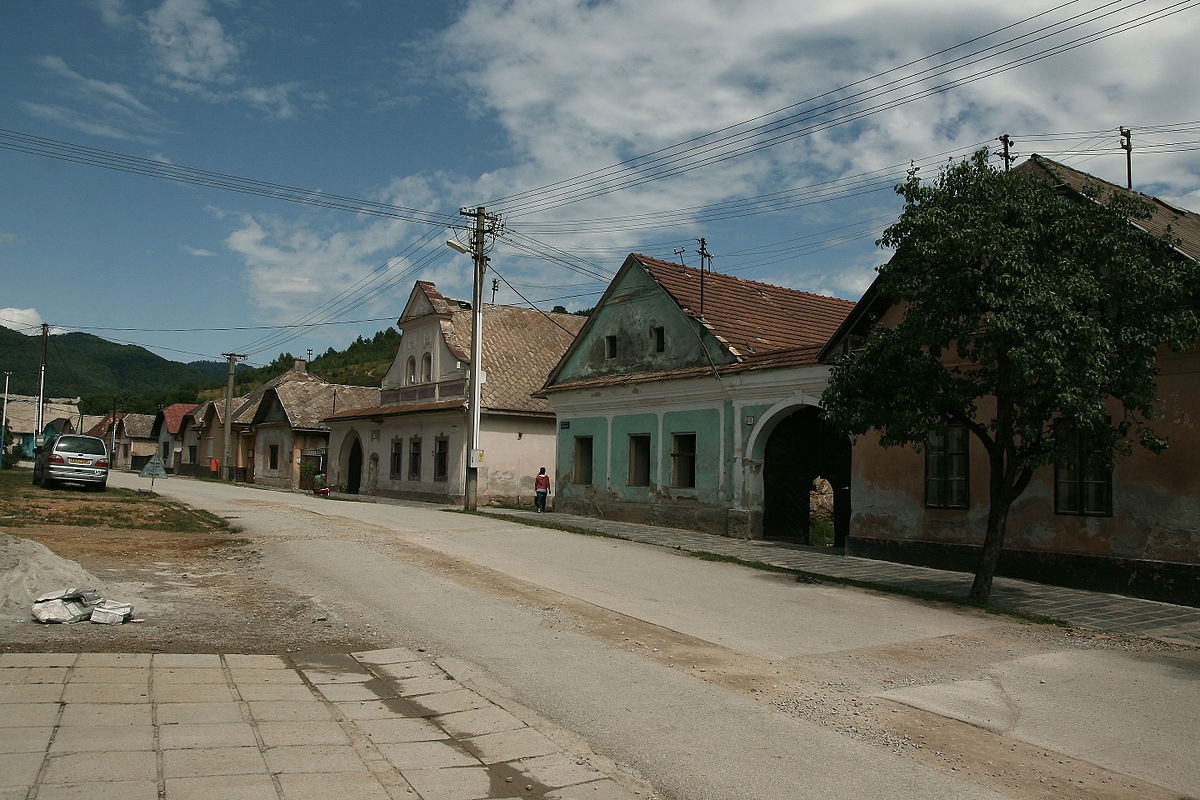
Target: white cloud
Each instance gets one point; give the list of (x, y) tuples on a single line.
[(190, 42), (198, 251), (8, 239), (25, 320)]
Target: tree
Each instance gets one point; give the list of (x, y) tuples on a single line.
[(1029, 316)]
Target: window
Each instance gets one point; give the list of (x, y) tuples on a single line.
[(660, 339), (441, 457), (1083, 485), (426, 368), (683, 460), (192, 453), (583, 460), (210, 448), (397, 458), (410, 371), (414, 459), (273, 457), (610, 346), (946, 468), (639, 459), (166, 450)]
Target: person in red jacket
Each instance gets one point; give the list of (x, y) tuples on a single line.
[(541, 486)]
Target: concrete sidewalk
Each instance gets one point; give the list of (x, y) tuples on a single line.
[(1077, 607), (385, 724)]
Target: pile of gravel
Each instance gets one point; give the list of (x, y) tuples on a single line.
[(29, 569)]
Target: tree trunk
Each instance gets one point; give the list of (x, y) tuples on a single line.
[(1000, 501)]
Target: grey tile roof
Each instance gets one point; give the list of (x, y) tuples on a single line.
[(307, 404)]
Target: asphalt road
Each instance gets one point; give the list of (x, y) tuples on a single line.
[(681, 669)]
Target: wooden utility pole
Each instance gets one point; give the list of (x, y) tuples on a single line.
[(1006, 155), (41, 409), (704, 257)]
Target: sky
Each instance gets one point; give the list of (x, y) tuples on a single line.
[(356, 130)]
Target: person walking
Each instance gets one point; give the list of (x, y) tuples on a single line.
[(541, 487)]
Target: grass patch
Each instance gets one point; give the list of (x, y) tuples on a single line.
[(24, 504)]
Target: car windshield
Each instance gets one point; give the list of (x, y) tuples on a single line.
[(87, 445)]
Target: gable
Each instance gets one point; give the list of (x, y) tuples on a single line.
[(622, 334)]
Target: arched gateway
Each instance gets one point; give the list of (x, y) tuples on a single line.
[(801, 448)]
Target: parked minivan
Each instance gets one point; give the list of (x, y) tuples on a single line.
[(72, 457)]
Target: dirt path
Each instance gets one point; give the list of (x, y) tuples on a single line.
[(215, 592)]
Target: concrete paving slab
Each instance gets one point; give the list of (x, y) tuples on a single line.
[(14, 676), (477, 722), (37, 659), (420, 755), (19, 769), (460, 783), (347, 692), (494, 748), (327, 677), (99, 790), (244, 676), (432, 684), (395, 730), (113, 660), (106, 714), (315, 758), (25, 739), (124, 675), (557, 770), (273, 691), (31, 693), (226, 787), (449, 702), (47, 674), (103, 739), (74, 692), (15, 715), (190, 713), (407, 670), (289, 710), (193, 693), (216, 734), (103, 766), (605, 789), (203, 675), (349, 786), (367, 709), (391, 655), (209, 761), (310, 732), (209, 660), (250, 661)]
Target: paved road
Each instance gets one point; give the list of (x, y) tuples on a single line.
[(688, 734)]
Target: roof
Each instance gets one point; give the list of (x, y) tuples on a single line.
[(306, 404), (173, 416), (138, 426), (457, 403), (243, 414), (22, 412), (749, 317), (1183, 224)]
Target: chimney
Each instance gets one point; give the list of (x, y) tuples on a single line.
[(299, 365)]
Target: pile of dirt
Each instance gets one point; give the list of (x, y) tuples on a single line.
[(29, 569)]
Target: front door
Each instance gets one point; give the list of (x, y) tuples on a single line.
[(354, 468)]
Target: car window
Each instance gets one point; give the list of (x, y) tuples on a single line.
[(81, 444)]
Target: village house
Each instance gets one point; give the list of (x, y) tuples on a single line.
[(1134, 529), (413, 443), (690, 399), (167, 431), (59, 415)]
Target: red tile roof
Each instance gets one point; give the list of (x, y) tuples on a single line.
[(173, 416), (749, 317)]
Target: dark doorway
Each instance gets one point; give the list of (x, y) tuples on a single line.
[(802, 449), (354, 468)]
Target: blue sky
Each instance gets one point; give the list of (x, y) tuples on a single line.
[(429, 107)]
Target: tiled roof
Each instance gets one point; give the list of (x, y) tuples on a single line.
[(22, 412), (399, 408), (1184, 224), (747, 316), (173, 415), (138, 426), (797, 357), (308, 404), (244, 414)]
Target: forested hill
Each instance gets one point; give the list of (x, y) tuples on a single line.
[(80, 364)]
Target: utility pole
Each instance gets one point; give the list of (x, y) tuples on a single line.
[(4, 420), (228, 454), (704, 256), (495, 286), (112, 434), (1008, 158), (1127, 146), (41, 409)]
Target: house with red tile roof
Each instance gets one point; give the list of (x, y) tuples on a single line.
[(167, 427), (690, 399), (412, 443), (1129, 528)]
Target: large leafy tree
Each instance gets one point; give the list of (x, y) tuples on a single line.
[(1029, 315)]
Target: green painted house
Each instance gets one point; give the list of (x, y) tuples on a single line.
[(689, 399)]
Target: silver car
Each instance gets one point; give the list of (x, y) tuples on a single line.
[(74, 458)]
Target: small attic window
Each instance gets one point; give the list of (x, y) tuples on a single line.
[(659, 335), (610, 346), (464, 305)]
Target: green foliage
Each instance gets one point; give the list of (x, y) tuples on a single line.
[(1022, 307)]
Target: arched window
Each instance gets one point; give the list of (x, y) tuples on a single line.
[(411, 371), (426, 368)]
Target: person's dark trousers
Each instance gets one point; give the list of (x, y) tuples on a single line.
[(541, 501)]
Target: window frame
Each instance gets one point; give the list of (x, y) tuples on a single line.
[(944, 458), (441, 458), (639, 454), (396, 467), (683, 462), (414, 458), (610, 346), (580, 463), (1087, 474), (659, 335), (273, 456)]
